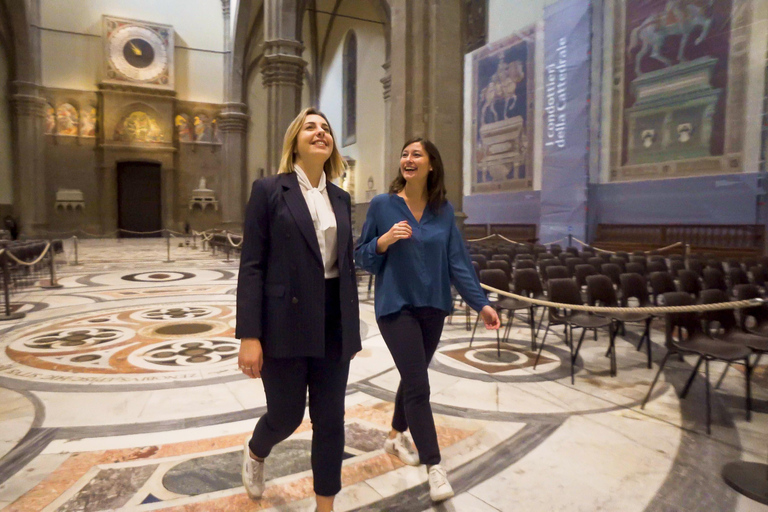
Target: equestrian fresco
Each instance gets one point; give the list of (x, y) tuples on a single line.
[(503, 75), (672, 96)]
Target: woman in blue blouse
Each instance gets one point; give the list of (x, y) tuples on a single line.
[(410, 242)]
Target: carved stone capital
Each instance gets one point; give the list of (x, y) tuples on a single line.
[(283, 69), (387, 81), (28, 106), (283, 47), (233, 119)]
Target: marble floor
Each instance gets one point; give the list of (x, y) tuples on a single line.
[(120, 391)]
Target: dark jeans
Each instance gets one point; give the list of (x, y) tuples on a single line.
[(285, 384), (412, 336)]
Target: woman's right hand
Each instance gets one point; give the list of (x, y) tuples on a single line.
[(400, 231), (251, 357)]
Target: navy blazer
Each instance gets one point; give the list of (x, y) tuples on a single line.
[(281, 286)]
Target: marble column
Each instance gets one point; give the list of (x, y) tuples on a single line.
[(282, 72), (427, 69), (30, 202)]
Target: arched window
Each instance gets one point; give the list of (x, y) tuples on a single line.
[(349, 113)]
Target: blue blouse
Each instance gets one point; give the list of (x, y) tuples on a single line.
[(418, 271)]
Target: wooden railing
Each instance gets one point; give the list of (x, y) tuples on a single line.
[(719, 239)]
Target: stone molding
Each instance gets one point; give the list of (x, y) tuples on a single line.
[(283, 69), (233, 122), (30, 106), (386, 82), (134, 89)]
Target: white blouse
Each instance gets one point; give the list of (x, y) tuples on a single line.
[(323, 218)]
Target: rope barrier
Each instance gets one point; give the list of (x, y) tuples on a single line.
[(584, 244), (482, 239), (495, 235), (556, 241), (142, 232), (33, 263), (229, 238), (651, 310)]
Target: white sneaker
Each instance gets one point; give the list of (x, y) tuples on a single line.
[(402, 448), (439, 488), (253, 474)]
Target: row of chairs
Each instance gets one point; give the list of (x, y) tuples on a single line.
[(734, 342)]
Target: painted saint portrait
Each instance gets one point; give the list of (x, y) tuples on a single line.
[(183, 128), (67, 120), (88, 122)]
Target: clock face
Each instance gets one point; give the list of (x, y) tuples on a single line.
[(138, 54)]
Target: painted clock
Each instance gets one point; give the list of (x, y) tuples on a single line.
[(138, 53)]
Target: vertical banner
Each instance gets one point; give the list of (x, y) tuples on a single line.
[(565, 145)]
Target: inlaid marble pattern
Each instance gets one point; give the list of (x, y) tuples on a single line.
[(120, 392)]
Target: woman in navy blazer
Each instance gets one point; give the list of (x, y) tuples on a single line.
[(297, 304)]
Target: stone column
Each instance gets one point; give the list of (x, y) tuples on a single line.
[(233, 123), (282, 72), (30, 201), (389, 169), (426, 70), (234, 194)]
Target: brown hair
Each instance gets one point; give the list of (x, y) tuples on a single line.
[(435, 179), (333, 167)]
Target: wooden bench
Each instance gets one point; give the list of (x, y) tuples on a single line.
[(720, 240)]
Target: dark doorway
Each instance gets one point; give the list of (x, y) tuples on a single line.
[(138, 199)]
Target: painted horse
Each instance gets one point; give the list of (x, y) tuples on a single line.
[(502, 86), (680, 17)]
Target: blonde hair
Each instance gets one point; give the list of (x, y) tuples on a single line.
[(333, 167)]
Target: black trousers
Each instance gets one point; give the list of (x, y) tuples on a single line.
[(286, 381), (412, 336)]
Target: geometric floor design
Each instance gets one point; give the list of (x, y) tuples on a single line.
[(120, 391)]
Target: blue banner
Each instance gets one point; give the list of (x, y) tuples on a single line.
[(565, 166)]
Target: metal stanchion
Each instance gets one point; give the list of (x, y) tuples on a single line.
[(168, 246), (51, 283), (7, 314), (687, 251), (570, 240), (194, 240), (229, 246), (76, 260)]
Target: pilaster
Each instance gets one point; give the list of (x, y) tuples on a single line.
[(28, 111)]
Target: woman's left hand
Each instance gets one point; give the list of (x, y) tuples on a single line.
[(490, 318)]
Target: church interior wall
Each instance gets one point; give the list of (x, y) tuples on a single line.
[(184, 118), (731, 194), (368, 146), (70, 158), (75, 28), (6, 153)]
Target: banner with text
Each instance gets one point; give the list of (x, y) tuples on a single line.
[(565, 146)]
